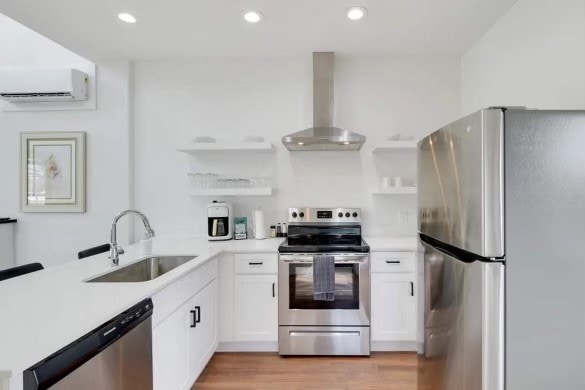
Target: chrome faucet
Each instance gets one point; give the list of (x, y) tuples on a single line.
[(115, 250)]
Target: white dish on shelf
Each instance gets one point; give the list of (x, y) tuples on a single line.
[(410, 190), (204, 140), (252, 138), (225, 146)]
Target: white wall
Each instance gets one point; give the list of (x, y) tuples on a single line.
[(53, 238), (533, 56), (176, 101)]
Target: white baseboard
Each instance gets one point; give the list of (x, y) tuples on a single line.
[(393, 346), (248, 346)]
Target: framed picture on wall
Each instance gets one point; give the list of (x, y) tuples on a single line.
[(52, 178)]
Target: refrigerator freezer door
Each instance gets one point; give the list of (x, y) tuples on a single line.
[(460, 175), (464, 324)]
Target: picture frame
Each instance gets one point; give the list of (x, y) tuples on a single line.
[(52, 177)]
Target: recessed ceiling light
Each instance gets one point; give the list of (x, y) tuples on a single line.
[(301, 143), (252, 16), (356, 13), (125, 17), (346, 142)]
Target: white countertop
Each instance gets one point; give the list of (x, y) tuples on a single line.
[(43, 311), (46, 310), (391, 244)]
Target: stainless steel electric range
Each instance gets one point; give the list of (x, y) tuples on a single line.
[(309, 325)]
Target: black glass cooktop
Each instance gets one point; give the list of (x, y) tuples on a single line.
[(324, 238)]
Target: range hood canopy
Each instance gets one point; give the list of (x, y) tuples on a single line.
[(323, 135)]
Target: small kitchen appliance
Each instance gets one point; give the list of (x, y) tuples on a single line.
[(324, 243), (219, 226)]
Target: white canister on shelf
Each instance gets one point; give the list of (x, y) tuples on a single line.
[(386, 182)]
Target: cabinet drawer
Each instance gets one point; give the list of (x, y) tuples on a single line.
[(171, 297), (393, 261), (256, 263)]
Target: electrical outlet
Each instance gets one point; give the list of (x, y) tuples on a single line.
[(403, 216)]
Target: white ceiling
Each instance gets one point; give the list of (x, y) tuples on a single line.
[(211, 28)]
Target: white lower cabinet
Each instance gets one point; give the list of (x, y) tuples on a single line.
[(393, 307), (256, 308), (185, 340)]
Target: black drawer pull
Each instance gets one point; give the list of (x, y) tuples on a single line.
[(193, 318), (392, 261), (412, 289), (273, 290), (256, 263), (198, 320)]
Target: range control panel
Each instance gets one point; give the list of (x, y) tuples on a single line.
[(324, 215)]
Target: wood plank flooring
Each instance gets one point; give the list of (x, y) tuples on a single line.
[(390, 371)]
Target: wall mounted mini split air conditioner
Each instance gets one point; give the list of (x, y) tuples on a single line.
[(43, 85)]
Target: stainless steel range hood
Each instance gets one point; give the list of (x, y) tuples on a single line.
[(323, 135)]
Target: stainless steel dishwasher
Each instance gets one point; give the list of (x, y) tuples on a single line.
[(115, 356)]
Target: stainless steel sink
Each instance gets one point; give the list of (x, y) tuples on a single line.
[(143, 270)]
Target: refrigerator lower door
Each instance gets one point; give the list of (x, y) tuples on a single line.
[(463, 324)]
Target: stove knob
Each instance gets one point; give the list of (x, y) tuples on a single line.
[(340, 214), (301, 214), (354, 214), (347, 214), (294, 214)]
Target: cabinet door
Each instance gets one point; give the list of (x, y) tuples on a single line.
[(256, 308), (170, 351), (393, 307), (204, 330)]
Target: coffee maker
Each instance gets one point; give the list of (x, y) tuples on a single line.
[(219, 226)]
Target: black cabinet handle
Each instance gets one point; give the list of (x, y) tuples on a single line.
[(273, 290), (193, 319), (198, 319), (392, 261), (412, 289), (256, 263)]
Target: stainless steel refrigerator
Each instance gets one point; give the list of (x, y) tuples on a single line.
[(502, 226)]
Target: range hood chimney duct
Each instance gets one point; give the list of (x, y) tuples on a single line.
[(323, 135)]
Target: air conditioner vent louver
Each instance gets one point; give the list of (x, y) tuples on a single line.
[(35, 97)]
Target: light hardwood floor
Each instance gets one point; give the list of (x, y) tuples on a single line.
[(391, 371)]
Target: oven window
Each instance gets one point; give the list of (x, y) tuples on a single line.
[(346, 288)]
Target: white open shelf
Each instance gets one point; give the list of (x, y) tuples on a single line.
[(232, 192), (395, 146), (225, 146), (396, 191)]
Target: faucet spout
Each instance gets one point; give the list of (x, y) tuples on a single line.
[(115, 250)]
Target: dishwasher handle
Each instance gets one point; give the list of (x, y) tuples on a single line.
[(57, 366)]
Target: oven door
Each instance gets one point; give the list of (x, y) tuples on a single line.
[(351, 306)]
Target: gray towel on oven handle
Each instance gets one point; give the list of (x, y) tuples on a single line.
[(323, 278)]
